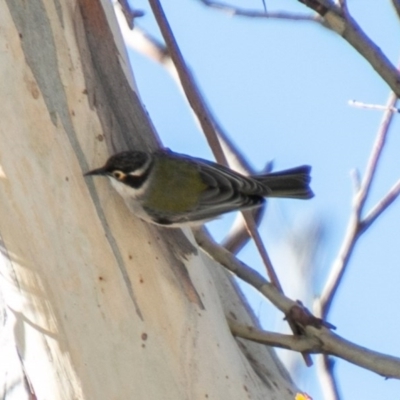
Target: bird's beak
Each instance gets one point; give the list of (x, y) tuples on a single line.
[(98, 171)]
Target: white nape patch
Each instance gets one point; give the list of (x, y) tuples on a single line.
[(140, 171)]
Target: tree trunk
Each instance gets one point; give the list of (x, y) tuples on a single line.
[(101, 305)]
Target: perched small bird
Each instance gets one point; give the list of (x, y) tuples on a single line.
[(171, 189)]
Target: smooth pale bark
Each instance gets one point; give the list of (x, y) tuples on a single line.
[(102, 305)]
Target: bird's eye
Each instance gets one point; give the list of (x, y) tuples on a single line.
[(118, 175)]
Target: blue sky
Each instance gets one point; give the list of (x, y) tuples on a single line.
[(281, 90)]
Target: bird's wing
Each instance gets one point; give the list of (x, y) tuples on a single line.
[(216, 175), (226, 191)]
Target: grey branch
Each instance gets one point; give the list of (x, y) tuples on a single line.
[(315, 340)]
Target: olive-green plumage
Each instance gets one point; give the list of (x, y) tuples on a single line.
[(170, 193)]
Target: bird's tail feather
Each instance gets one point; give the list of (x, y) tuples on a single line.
[(292, 183)]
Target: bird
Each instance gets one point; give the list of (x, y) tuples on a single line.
[(173, 190)]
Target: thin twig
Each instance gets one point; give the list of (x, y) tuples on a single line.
[(356, 225), (381, 206), (191, 90), (253, 231), (238, 236), (264, 5), (380, 107), (375, 154)]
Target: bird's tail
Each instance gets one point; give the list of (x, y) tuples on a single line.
[(293, 183)]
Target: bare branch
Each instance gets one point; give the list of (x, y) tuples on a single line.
[(253, 231), (290, 342), (191, 90), (238, 236), (383, 364), (242, 271), (325, 342), (377, 149), (344, 25), (323, 304), (330, 343), (356, 226)]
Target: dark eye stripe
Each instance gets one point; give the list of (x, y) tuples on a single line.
[(136, 181)]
